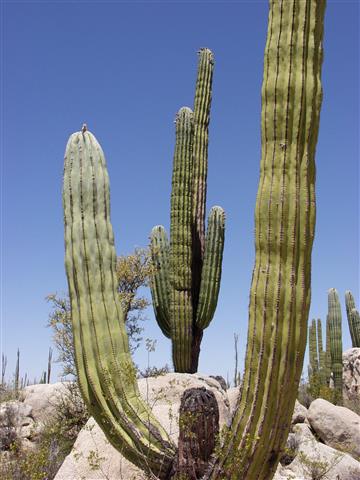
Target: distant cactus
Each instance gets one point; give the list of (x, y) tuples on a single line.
[(17, 371), (335, 320), (319, 375), (353, 319), (186, 283)]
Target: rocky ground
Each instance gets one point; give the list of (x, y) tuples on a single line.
[(324, 442)]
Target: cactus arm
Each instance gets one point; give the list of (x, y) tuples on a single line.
[(181, 311), (313, 356), (322, 355), (105, 370), (335, 340), (353, 319), (327, 353), (202, 105), (159, 285), (211, 271), (284, 230)]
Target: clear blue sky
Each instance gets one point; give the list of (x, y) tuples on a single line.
[(125, 68)]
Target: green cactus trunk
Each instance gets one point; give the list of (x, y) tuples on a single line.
[(317, 360), (284, 229), (353, 319), (322, 356), (314, 361), (186, 283), (105, 370), (334, 313), (313, 353)]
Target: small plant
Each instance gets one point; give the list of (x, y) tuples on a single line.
[(318, 468)]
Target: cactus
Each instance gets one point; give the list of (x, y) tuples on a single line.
[(353, 319), (319, 376), (284, 229), (313, 352), (17, 372), (105, 370), (280, 290), (186, 283), (334, 315)]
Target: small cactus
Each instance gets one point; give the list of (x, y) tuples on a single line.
[(335, 320), (353, 319)]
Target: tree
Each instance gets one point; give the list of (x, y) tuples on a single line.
[(133, 272)]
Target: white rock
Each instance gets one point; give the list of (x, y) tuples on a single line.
[(351, 374), (336, 426), (300, 413), (316, 460), (233, 394), (42, 398), (163, 394)]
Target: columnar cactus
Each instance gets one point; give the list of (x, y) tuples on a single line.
[(186, 283), (105, 370), (334, 315), (324, 380), (353, 319), (313, 352), (284, 231), (318, 375), (280, 291)]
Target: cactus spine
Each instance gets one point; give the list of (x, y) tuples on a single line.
[(284, 230), (334, 315), (186, 284), (105, 371), (353, 319)]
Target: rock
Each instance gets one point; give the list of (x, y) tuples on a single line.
[(16, 409), (94, 458), (316, 460), (300, 413), (16, 423), (233, 394), (351, 375), (336, 426), (42, 399), (221, 380)]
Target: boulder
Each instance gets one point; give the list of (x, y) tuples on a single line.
[(42, 398), (94, 458), (316, 460), (300, 413), (233, 394), (336, 426), (16, 423), (351, 375)]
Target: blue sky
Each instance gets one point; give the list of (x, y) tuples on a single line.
[(125, 68)]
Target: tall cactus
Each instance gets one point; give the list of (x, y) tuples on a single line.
[(353, 319), (186, 283), (334, 315), (105, 370), (280, 291), (284, 230)]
